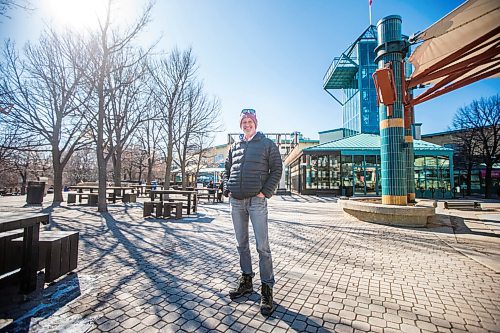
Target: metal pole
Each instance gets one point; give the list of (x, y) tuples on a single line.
[(392, 135)]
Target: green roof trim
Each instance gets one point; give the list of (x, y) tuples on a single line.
[(441, 133), (370, 144), (332, 130)]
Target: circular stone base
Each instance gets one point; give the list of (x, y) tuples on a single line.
[(404, 216)]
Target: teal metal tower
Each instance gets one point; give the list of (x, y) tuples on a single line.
[(350, 76), (393, 148)]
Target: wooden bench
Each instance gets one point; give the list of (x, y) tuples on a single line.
[(93, 198), (129, 197), (72, 197), (464, 205), (167, 209), (207, 196), (58, 253), (7, 251), (149, 206), (184, 200)]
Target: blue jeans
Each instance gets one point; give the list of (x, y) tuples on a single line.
[(254, 208)]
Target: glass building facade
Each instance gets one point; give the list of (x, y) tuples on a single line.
[(351, 167), (352, 74)]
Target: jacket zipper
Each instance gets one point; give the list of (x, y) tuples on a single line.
[(242, 164)]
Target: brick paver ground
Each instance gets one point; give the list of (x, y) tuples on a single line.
[(333, 274)]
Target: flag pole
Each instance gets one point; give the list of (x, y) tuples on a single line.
[(370, 10)]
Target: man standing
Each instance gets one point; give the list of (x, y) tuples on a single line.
[(253, 171)]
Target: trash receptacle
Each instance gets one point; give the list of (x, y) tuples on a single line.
[(46, 181), (35, 193)]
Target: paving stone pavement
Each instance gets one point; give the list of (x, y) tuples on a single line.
[(333, 272)]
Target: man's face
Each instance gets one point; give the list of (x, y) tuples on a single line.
[(248, 127)]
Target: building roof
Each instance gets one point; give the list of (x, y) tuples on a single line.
[(450, 132), (370, 144), (332, 130)]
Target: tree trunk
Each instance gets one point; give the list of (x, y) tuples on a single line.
[(58, 171), (168, 162), (101, 161), (469, 180), (488, 190), (150, 171), (117, 166), (24, 177), (184, 178), (101, 166)]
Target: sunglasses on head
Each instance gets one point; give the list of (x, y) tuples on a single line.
[(248, 111)]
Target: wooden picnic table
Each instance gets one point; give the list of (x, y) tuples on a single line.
[(142, 188), (207, 191), (91, 188), (30, 222), (163, 194)]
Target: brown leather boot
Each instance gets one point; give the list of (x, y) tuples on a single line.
[(266, 300), (245, 286)]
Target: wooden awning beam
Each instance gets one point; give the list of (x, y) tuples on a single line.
[(486, 57), (436, 91)]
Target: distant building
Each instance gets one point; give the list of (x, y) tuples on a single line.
[(450, 140)]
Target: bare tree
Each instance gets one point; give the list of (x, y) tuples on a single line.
[(108, 43), (481, 119), (134, 162), (149, 137), (8, 144), (199, 116), (128, 108), (171, 76), (45, 89), (8, 5), (203, 151), (466, 150), (82, 166)]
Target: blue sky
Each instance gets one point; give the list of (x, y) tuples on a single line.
[(271, 55)]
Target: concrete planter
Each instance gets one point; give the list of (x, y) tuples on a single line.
[(403, 216)]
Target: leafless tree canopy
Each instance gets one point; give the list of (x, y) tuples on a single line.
[(479, 137), (68, 94), (45, 85), (7, 5), (171, 76)]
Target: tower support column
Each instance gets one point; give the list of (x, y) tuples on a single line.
[(393, 152)]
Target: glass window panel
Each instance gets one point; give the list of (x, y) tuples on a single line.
[(335, 174), (323, 172)]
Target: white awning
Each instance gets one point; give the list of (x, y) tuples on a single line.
[(461, 48)]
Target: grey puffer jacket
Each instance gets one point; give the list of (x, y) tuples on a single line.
[(252, 167)]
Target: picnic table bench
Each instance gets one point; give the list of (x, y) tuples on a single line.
[(206, 193), (58, 253), (113, 193), (30, 223), (463, 204), (163, 208), (188, 198)]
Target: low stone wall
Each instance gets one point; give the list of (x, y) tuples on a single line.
[(404, 216)]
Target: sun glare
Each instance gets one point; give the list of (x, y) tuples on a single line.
[(84, 14)]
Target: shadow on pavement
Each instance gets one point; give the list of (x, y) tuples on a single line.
[(42, 306)]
